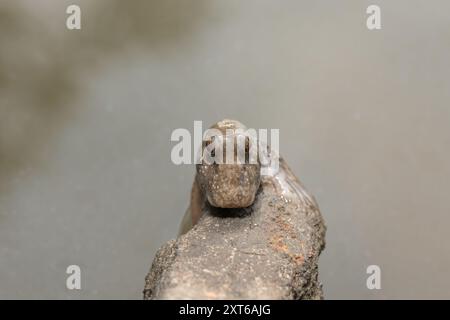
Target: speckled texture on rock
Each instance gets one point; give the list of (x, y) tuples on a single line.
[(267, 251)]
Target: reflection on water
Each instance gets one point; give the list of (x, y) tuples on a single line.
[(38, 69)]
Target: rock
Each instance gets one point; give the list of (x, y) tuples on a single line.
[(267, 251)]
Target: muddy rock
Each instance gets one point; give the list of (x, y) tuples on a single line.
[(267, 251)]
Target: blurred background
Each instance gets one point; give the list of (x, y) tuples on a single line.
[(86, 118)]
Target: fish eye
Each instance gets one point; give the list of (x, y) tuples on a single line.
[(212, 149), (247, 150)]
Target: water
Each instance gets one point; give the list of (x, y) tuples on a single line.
[(86, 118)]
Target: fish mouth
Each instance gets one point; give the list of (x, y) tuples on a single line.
[(238, 200)]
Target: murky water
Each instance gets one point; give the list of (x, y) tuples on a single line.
[(86, 118)]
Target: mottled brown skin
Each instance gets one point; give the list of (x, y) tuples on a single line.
[(222, 185), (236, 185)]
